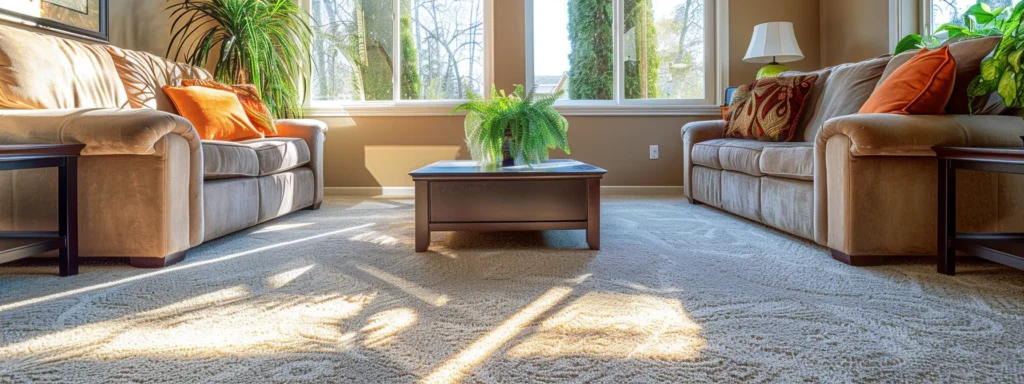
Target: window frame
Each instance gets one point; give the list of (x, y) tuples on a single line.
[(396, 106), (898, 19), (716, 59)]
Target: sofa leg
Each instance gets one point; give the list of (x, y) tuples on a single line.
[(692, 201), (315, 206), (155, 262), (857, 261)]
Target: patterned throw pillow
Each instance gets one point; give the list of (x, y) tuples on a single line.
[(255, 109), (769, 109)]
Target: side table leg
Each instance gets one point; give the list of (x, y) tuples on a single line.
[(594, 214), (67, 176), (946, 218), (422, 216)]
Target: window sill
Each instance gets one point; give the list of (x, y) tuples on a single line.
[(565, 110)]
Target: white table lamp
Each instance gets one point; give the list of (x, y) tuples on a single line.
[(773, 43)]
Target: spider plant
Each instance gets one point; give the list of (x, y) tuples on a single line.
[(513, 129), (265, 43)]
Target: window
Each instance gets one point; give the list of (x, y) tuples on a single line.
[(439, 51), (660, 57), (952, 11)]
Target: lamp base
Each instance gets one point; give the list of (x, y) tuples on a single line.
[(771, 70)]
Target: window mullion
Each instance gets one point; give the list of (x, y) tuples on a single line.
[(618, 8), (396, 54)]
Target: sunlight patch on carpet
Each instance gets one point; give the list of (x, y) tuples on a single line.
[(281, 279), (460, 365), (618, 326), (176, 268), (227, 322), (415, 290), (281, 227), (382, 328)]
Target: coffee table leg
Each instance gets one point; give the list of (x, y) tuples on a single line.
[(422, 216), (947, 218), (594, 213), (67, 176)]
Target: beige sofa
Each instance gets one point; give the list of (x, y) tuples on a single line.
[(149, 188), (862, 185)]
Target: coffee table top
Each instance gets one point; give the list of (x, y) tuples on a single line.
[(470, 168), (991, 154)]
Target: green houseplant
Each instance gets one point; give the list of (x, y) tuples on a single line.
[(1003, 70), (980, 20), (261, 42), (512, 129)]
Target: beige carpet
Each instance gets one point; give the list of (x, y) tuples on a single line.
[(679, 293)]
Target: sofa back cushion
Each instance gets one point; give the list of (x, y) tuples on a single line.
[(813, 102), (846, 89), (968, 55), (144, 75), (47, 72)]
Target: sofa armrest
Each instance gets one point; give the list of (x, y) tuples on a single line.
[(103, 131), (694, 133), (699, 131), (915, 135), (147, 156), (314, 133)]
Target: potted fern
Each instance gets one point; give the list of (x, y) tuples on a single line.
[(265, 43), (512, 129)]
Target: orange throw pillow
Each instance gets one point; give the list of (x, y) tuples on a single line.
[(216, 114), (249, 96), (921, 86)]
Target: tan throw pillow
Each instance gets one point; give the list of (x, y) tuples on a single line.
[(769, 109)]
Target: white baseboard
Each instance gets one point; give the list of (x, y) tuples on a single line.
[(410, 191)]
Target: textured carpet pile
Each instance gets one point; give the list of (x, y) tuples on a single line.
[(678, 293)]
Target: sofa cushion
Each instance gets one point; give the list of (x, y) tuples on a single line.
[(790, 162), (144, 74), (225, 160), (47, 72), (794, 160), (847, 88), (279, 154), (968, 55), (812, 104), (285, 192), (706, 153)]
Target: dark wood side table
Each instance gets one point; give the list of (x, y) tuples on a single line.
[(463, 196), (18, 245), (1003, 248)]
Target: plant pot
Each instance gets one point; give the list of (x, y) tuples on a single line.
[(507, 160)]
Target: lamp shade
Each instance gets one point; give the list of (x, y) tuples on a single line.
[(773, 42)]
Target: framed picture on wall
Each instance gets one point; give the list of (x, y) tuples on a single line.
[(82, 18)]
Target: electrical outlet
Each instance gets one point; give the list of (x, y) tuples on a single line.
[(654, 152)]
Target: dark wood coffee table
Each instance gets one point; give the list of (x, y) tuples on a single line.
[(1003, 248), (464, 196)]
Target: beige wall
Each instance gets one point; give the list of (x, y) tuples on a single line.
[(853, 30), (380, 151), (745, 14)]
